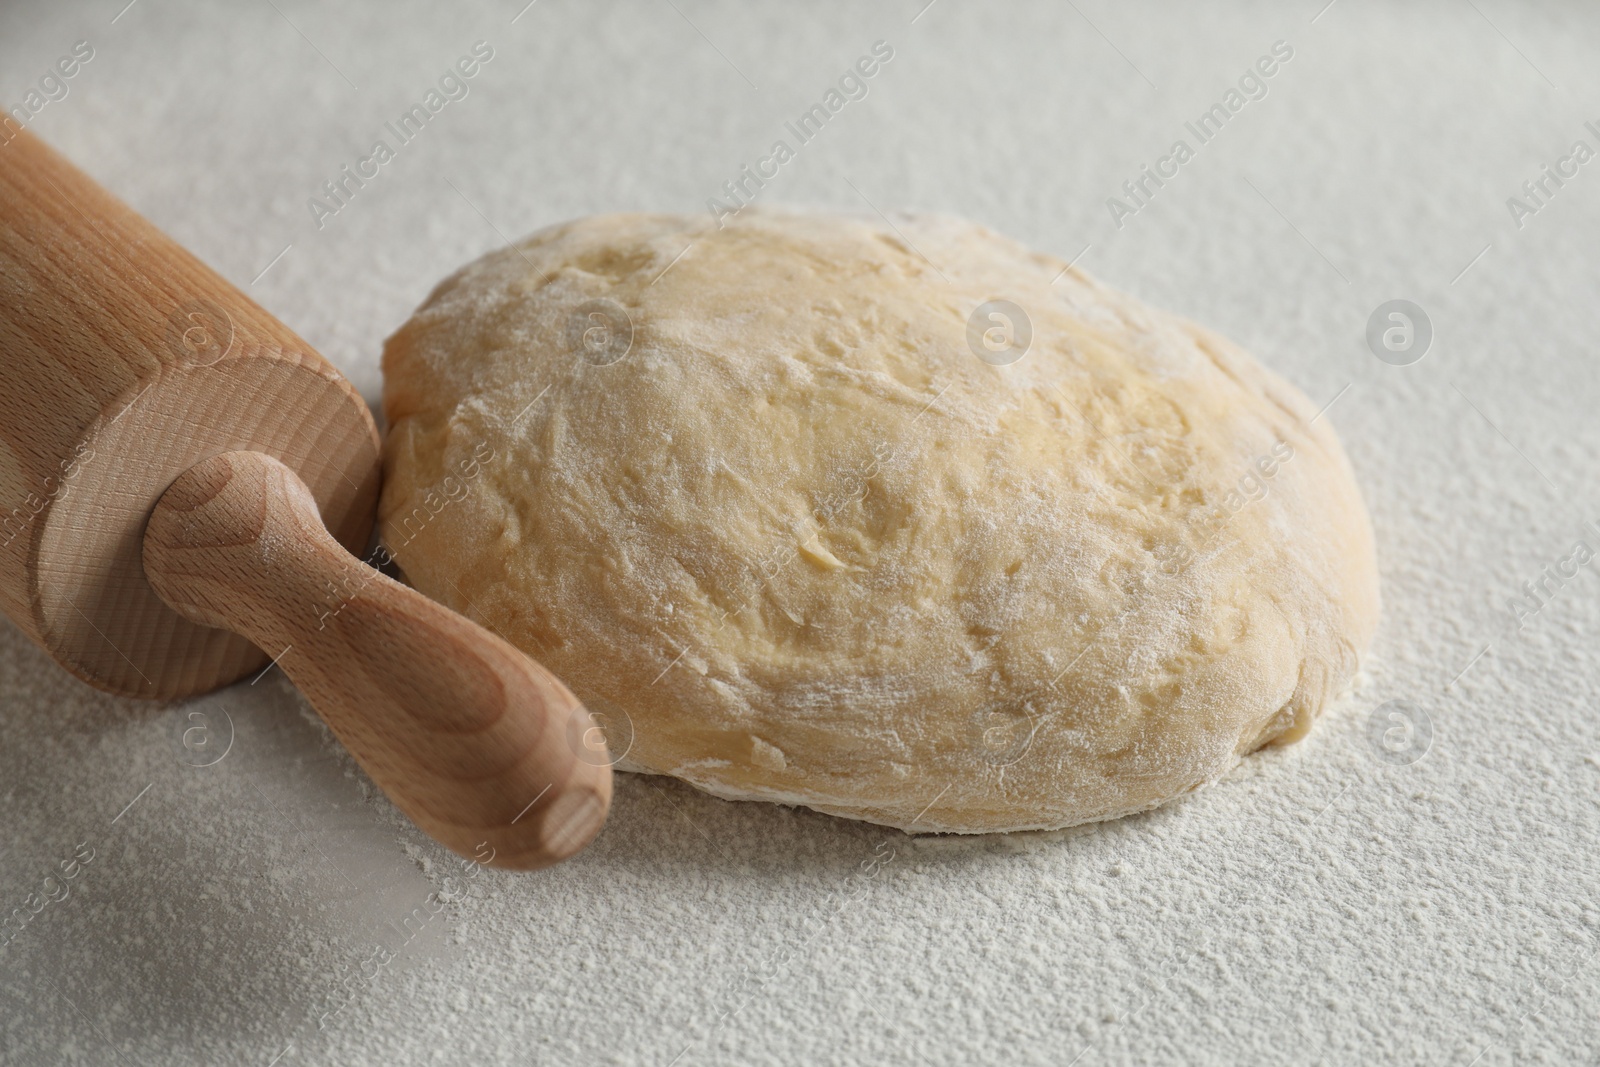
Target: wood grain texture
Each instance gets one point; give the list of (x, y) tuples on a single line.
[(124, 361), (478, 744)]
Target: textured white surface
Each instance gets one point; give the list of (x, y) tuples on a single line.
[(1318, 906)]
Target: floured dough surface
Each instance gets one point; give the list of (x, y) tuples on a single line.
[(801, 544)]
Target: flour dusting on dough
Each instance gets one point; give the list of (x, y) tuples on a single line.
[(821, 554)]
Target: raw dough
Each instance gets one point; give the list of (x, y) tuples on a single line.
[(797, 542)]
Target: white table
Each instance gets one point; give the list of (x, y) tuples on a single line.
[(1320, 905)]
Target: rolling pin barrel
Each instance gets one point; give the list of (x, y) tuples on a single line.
[(127, 361), (182, 481)]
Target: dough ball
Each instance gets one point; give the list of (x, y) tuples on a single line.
[(774, 501)]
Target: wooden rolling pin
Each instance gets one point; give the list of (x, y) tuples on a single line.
[(181, 477)]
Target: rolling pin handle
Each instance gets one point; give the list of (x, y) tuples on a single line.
[(482, 747)]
